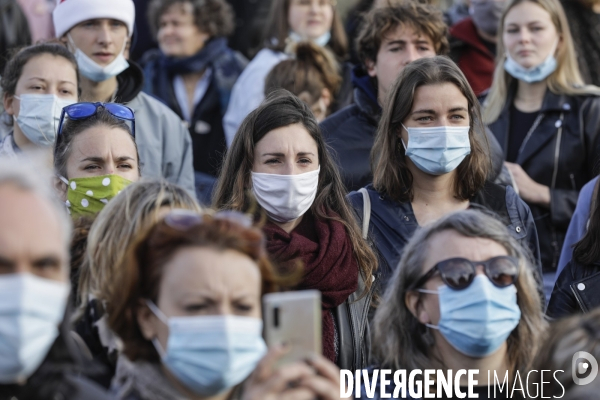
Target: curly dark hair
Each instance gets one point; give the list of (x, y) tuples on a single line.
[(213, 17), (425, 19)]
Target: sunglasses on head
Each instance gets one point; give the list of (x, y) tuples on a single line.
[(85, 110), (184, 220), (459, 273)]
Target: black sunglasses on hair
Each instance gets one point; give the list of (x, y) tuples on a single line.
[(85, 110), (459, 273)]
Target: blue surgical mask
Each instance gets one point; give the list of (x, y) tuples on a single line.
[(534, 74), (478, 319), (31, 310), (94, 71), (437, 150), (320, 41), (39, 115), (210, 354)]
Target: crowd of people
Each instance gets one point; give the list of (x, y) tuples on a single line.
[(432, 173)]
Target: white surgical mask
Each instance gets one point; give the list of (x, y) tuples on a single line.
[(94, 71), (321, 41), (285, 197), (31, 309), (536, 73), (39, 116), (437, 150), (211, 353)]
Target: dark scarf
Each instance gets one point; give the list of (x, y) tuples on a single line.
[(160, 79), (585, 29), (196, 63), (325, 249)]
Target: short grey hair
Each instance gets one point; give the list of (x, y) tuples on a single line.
[(401, 341), (28, 173)]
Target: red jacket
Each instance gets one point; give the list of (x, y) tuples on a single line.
[(472, 56)]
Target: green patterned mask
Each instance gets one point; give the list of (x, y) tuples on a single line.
[(88, 196)]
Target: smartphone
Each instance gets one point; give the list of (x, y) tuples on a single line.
[(294, 318)]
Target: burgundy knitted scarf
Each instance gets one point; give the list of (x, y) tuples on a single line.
[(326, 252)]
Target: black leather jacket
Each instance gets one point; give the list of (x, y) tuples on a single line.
[(561, 152), (576, 290)]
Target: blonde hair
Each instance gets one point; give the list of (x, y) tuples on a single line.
[(566, 79), (138, 206), (402, 342)]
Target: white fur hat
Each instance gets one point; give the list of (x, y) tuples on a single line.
[(69, 13)]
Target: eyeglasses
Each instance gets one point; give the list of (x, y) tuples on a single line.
[(459, 273), (184, 220), (85, 110)]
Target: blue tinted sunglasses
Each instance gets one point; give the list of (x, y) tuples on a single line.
[(79, 111)]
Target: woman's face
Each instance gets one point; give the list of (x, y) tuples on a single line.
[(103, 150), (529, 34), (44, 74), (442, 246), (437, 105), (289, 150), (310, 19), (200, 281), (178, 35)]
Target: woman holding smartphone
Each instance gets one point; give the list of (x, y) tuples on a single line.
[(545, 119), (190, 316), (280, 157)]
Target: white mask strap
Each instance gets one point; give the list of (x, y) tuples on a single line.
[(156, 311), (432, 326), (63, 179)]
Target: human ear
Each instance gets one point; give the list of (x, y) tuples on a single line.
[(7, 102), (371, 68), (61, 188), (147, 321), (415, 306)]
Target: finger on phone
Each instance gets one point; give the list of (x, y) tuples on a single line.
[(288, 376), (264, 369), (325, 368), (322, 388)]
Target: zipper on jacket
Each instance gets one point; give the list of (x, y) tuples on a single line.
[(557, 151), (528, 136), (579, 301)]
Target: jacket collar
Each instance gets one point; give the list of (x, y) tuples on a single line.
[(553, 106), (131, 83), (365, 95)]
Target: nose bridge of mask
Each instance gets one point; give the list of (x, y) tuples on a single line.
[(440, 137), (480, 290)]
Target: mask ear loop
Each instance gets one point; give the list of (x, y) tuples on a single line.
[(427, 291), (165, 320), (402, 140)]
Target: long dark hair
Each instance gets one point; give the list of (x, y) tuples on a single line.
[(281, 108), (391, 175), (587, 250)]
